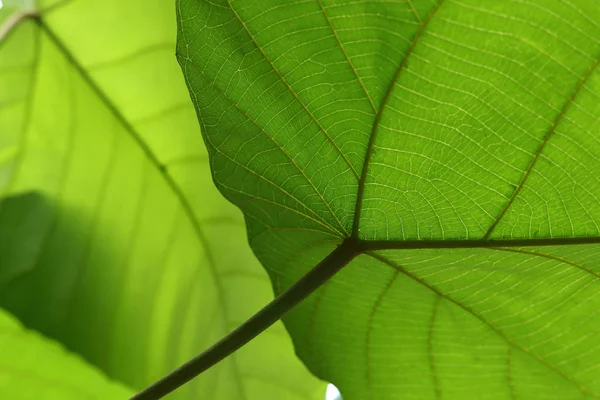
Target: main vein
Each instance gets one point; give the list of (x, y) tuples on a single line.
[(541, 147), (369, 245), (152, 158), (372, 137)]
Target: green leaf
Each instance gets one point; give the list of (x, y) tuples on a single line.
[(113, 238), (455, 144), (33, 367)]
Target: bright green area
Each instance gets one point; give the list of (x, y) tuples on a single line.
[(33, 367), (484, 120), (113, 238)]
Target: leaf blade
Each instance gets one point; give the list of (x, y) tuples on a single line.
[(35, 367), (493, 118), (117, 273)]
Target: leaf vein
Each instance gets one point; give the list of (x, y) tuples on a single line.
[(542, 145), (339, 42), (277, 145), (371, 143), (292, 92), (465, 308)]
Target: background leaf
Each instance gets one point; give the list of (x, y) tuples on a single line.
[(114, 240), (32, 367), (413, 123)]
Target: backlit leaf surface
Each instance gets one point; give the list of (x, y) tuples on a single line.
[(472, 120)]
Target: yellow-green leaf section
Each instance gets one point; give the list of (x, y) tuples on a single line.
[(113, 239), (33, 367)]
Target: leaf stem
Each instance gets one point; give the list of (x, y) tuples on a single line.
[(260, 321)]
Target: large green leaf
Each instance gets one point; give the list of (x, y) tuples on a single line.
[(445, 139), (114, 240), (32, 367)]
